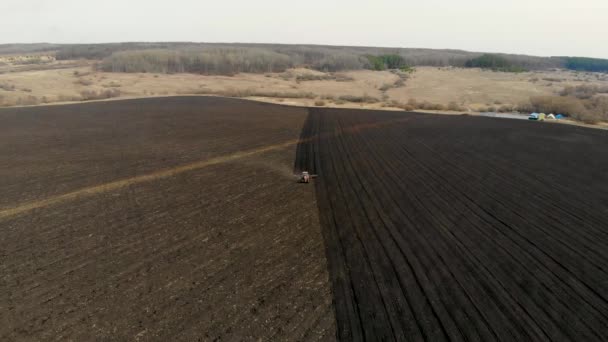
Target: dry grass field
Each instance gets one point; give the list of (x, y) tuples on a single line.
[(456, 89)]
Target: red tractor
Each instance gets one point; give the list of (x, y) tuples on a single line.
[(305, 177)]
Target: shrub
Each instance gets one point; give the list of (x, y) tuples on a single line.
[(313, 77), (455, 107), (390, 61), (324, 77), (28, 101), (77, 73), (84, 82), (584, 91), (32, 60), (506, 109), (112, 85), (430, 106), (359, 99), (385, 87), (404, 106), (343, 78), (319, 103), (248, 92), (7, 87), (399, 83), (68, 98), (87, 95), (553, 104)]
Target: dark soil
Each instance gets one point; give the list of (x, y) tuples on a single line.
[(228, 252), (461, 228)]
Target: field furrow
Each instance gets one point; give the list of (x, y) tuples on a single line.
[(461, 228)]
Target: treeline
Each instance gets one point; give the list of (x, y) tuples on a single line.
[(324, 58), (217, 61), (100, 51), (27, 48), (586, 64), (493, 62), (336, 58)]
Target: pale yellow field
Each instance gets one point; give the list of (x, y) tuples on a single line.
[(471, 89)]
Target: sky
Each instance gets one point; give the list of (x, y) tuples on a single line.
[(536, 27)]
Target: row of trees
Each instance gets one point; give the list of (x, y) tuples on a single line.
[(209, 62), (337, 58), (586, 64), (494, 62)]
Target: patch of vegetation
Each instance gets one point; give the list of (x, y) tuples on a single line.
[(88, 95), (455, 107), (319, 103), (384, 62), (249, 92), (494, 62), (339, 62), (591, 110), (586, 64), (207, 62), (32, 60), (324, 77), (359, 99), (584, 91), (68, 98), (405, 106), (7, 87), (552, 79), (84, 82), (385, 87), (506, 109), (28, 101), (322, 58), (111, 85)]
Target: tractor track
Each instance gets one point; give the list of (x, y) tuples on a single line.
[(138, 220)]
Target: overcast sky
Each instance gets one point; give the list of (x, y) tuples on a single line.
[(538, 27)]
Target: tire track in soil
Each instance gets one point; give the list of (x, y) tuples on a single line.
[(456, 228), (116, 185), (202, 254)]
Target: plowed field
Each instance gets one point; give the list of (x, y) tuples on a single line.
[(180, 219), (461, 228), (158, 220)]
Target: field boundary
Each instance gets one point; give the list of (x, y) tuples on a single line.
[(269, 100)]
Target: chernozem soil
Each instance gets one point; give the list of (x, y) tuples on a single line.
[(461, 228), (228, 250)]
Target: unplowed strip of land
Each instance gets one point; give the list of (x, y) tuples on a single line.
[(461, 228), (158, 220)]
